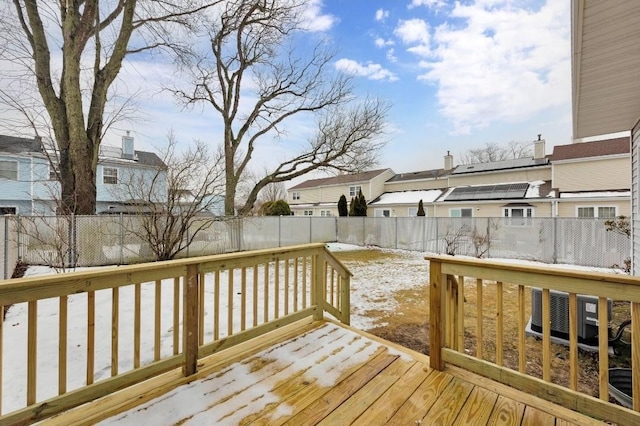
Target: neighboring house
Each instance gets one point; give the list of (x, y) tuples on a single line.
[(588, 180), (124, 174), (593, 178), (28, 181), (511, 188), (605, 46), (403, 203), (319, 197)]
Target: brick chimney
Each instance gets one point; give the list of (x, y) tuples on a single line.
[(448, 161), (538, 148)]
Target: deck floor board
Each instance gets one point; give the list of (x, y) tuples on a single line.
[(329, 375)]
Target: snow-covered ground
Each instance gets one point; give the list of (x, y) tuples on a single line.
[(373, 286)]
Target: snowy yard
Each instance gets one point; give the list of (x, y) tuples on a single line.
[(373, 287)]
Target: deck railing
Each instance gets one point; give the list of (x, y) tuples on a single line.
[(86, 334), (455, 283)]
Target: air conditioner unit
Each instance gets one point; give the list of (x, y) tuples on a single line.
[(587, 312)]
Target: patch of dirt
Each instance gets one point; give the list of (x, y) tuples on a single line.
[(409, 327)]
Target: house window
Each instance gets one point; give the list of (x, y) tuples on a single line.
[(54, 172), (603, 212), (519, 216), (382, 212), (460, 212), (308, 212), (354, 190), (295, 196), (109, 175), (412, 211), (8, 169), (325, 213), (8, 210)]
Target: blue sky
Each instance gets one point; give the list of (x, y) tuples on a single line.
[(458, 75)]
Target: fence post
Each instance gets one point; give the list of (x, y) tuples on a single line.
[(489, 237), (436, 314), (70, 241), (190, 321), (424, 233), (396, 246), (121, 238), (18, 242), (437, 235), (555, 239), (6, 247)]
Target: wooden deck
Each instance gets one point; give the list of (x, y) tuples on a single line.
[(320, 372)]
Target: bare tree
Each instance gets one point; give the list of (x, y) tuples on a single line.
[(173, 203), (256, 79), (273, 192), (74, 50), (493, 152)]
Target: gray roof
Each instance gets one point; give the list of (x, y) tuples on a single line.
[(424, 174), (500, 165), (340, 179), (17, 145)]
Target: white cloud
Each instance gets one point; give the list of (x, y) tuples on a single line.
[(435, 4), (414, 32), (370, 70), (391, 55), (380, 42), (381, 14), (313, 18), (503, 64)]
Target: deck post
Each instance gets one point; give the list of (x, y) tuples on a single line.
[(345, 303), (190, 321), (317, 285), (436, 314)]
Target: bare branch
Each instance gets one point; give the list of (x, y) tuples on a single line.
[(257, 80)]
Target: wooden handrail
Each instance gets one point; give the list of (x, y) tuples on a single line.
[(447, 339), (283, 270)]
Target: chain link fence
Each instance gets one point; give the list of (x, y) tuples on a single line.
[(64, 241)]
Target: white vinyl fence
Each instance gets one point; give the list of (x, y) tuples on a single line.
[(108, 240)]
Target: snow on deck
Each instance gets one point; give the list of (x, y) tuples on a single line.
[(321, 356)]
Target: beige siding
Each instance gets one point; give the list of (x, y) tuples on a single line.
[(377, 185), (415, 185), (606, 59), (542, 173), (569, 208), (542, 208), (400, 210), (592, 175), (331, 193)]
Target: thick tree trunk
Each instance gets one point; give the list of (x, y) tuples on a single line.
[(231, 184)]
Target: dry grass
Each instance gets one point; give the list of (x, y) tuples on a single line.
[(409, 326)]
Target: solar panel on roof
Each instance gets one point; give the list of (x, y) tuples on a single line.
[(488, 192)]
